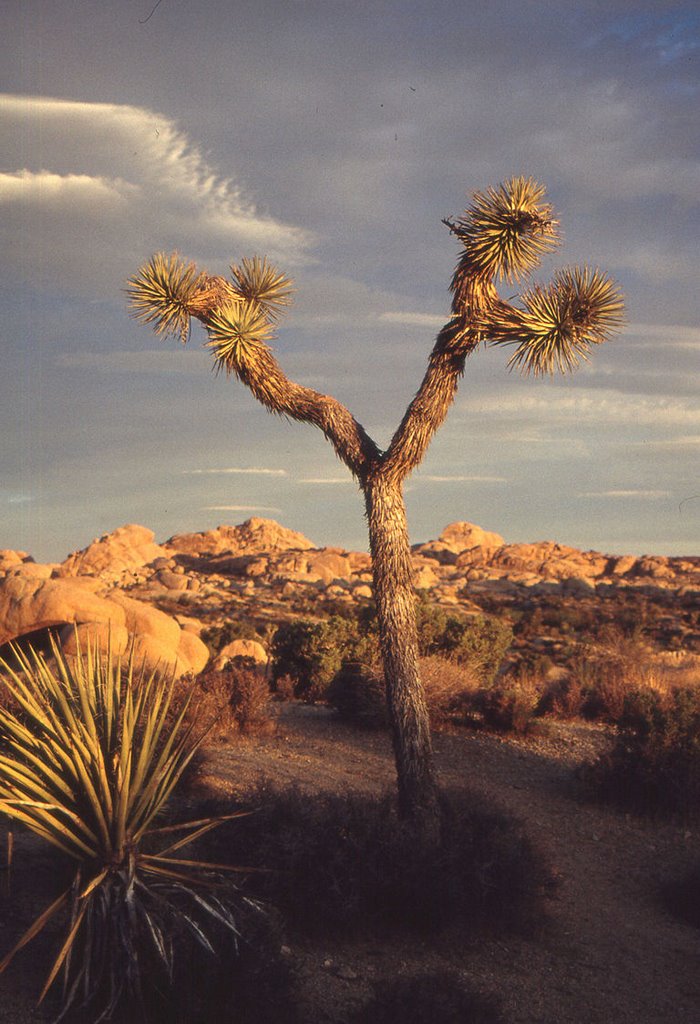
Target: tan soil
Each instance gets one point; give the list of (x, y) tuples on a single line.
[(610, 952)]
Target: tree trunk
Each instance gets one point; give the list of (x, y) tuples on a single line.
[(396, 613)]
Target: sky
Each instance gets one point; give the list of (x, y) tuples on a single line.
[(333, 136)]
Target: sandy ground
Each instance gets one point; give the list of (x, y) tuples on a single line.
[(610, 953)]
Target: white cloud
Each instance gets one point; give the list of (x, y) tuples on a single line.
[(669, 335), (590, 405), (252, 470), (90, 189), (240, 508), (430, 320), (646, 495), (327, 480), (462, 479)]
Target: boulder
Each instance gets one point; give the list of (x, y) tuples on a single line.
[(30, 604), (128, 547), (255, 535), (241, 649), (460, 537)]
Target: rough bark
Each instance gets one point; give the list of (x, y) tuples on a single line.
[(396, 612)]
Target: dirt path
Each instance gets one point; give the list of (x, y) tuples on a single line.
[(611, 953)]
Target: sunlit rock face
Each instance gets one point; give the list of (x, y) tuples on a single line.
[(126, 588)]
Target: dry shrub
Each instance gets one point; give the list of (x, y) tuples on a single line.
[(511, 704), (654, 765), (439, 998), (449, 687), (344, 865), (235, 699), (284, 687), (357, 692), (609, 670)]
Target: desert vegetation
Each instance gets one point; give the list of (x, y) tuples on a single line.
[(503, 234), (89, 759)]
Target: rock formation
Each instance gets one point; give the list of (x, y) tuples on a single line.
[(160, 596)]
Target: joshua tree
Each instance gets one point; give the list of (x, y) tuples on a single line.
[(503, 234)]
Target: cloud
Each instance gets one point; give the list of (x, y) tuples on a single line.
[(15, 499), (646, 495), (240, 508), (681, 444), (669, 335), (462, 479), (253, 470), (430, 320), (89, 189), (590, 405), (327, 480)]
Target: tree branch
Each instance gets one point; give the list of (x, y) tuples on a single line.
[(257, 368), (472, 298)]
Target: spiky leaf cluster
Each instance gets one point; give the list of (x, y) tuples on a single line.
[(259, 282), (506, 230), (160, 292), (237, 332), (559, 322), (87, 763)]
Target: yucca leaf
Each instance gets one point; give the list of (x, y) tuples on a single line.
[(237, 332), (160, 293), (40, 922), (505, 231), (560, 322), (263, 285), (63, 953)]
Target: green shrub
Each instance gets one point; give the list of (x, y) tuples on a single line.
[(479, 642), (357, 693), (439, 998), (311, 652), (89, 767), (654, 765), (345, 865)]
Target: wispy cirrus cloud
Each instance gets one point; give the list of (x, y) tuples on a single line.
[(590, 405), (457, 479), (90, 188), (240, 508), (233, 470), (330, 480), (633, 493)]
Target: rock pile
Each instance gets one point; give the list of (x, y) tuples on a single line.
[(160, 596)]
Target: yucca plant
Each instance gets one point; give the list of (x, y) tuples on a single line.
[(88, 763)]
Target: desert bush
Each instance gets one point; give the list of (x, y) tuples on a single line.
[(90, 768), (437, 998), (347, 864), (654, 765), (510, 704), (480, 642), (610, 668), (217, 637), (234, 699), (357, 692), (311, 652)]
